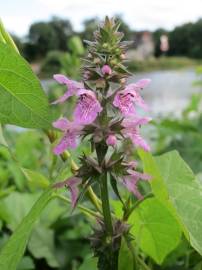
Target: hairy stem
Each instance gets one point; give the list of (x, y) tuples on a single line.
[(105, 203)]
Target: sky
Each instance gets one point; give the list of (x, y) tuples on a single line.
[(17, 15)]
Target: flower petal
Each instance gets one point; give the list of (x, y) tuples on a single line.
[(74, 190), (139, 141), (67, 141), (61, 78), (72, 86), (87, 107), (124, 101), (143, 83), (131, 184), (61, 124)]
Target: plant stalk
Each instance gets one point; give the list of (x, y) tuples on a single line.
[(105, 203)]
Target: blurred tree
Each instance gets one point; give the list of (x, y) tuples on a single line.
[(186, 40), (64, 30), (46, 36), (64, 62), (90, 25)]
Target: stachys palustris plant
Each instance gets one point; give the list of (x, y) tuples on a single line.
[(106, 114)]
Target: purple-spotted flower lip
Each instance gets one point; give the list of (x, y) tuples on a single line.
[(72, 87), (130, 96), (71, 131), (87, 108)]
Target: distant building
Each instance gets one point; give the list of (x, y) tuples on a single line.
[(143, 47)]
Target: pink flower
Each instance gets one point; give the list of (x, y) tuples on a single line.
[(72, 87), (130, 182), (131, 130), (125, 99), (72, 184), (87, 107), (71, 131), (106, 70), (111, 140)]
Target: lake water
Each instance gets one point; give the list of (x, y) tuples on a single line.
[(169, 91)]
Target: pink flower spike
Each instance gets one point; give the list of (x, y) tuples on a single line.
[(71, 131), (87, 107), (106, 70), (131, 131), (72, 87), (111, 140)]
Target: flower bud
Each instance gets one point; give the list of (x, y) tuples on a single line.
[(111, 140), (106, 70), (117, 50), (113, 62)]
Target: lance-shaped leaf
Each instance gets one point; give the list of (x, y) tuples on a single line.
[(22, 100)]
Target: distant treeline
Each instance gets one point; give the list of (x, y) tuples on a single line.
[(43, 37), (184, 40)]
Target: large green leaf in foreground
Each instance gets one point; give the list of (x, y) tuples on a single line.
[(180, 188), (22, 100), (12, 252), (156, 230)]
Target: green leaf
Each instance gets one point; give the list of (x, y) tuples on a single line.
[(89, 264), (23, 203), (156, 231), (22, 100), (13, 250), (26, 264), (125, 260), (184, 192), (41, 245), (36, 179)]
